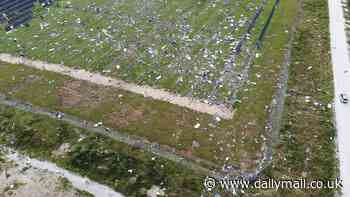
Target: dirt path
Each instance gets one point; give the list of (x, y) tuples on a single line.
[(157, 94), (340, 60), (39, 170), (18, 181)]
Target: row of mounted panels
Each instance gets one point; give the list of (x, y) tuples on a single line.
[(15, 13)]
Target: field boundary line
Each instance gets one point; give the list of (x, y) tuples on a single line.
[(147, 91), (195, 163)]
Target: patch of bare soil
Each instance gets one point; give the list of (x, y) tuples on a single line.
[(124, 117), (16, 181), (80, 93)]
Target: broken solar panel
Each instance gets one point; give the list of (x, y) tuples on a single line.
[(174, 45), (14, 13)]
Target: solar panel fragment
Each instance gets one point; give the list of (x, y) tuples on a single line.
[(15, 13)]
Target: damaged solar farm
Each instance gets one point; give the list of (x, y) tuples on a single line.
[(197, 80), (175, 45)]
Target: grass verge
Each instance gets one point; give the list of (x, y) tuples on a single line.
[(307, 139), (126, 169)]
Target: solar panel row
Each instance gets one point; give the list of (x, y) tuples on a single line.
[(14, 13)]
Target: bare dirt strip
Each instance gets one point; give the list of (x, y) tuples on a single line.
[(157, 94), (82, 183)]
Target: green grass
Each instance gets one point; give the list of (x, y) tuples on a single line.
[(132, 114), (238, 139), (259, 94), (65, 185), (95, 156), (307, 139), (97, 43)]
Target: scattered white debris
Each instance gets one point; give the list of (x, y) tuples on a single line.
[(195, 144), (106, 71), (59, 115), (197, 126), (155, 191), (159, 77), (329, 106), (98, 124), (78, 20), (307, 99)]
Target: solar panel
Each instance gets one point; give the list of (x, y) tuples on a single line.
[(16, 13)]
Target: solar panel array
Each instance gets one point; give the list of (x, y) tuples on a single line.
[(15, 13)]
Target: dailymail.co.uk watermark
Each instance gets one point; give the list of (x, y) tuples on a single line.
[(211, 184)]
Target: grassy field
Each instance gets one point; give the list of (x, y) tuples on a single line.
[(177, 46), (128, 170), (186, 47), (239, 140)]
